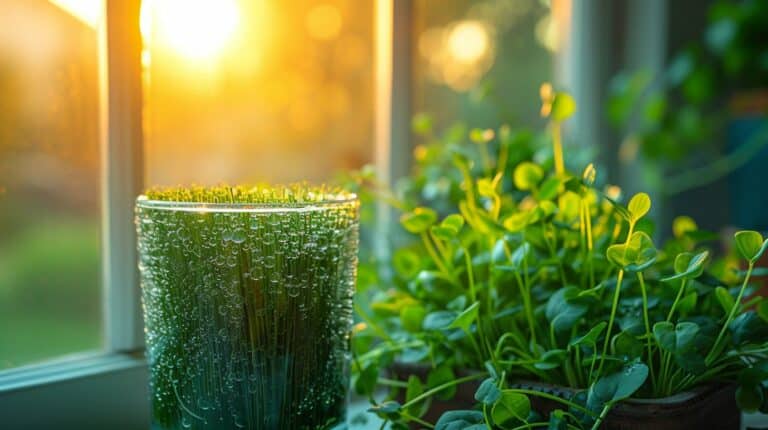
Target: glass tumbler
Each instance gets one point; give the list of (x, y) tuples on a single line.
[(247, 297)]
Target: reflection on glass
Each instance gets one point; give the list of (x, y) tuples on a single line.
[(49, 180), (248, 91), (482, 61)]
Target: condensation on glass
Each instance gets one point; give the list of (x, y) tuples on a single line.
[(249, 91), (248, 312), (50, 300)]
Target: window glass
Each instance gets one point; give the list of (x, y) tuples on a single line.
[(482, 62), (246, 91), (49, 180)]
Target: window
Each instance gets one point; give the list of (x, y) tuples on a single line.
[(244, 91), (50, 288)]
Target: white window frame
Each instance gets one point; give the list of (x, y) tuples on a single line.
[(106, 389)]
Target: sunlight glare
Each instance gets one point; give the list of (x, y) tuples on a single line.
[(195, 29), (87, 11)]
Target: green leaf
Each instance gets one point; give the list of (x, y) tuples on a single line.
[(511, 405), (365, 381), (389, 410), (439, 376), (591, 337), (419, 220), (747, 328), (412, 317), (459, 420), (563, 310), (563, 107), (634, 256), (725, 299), (488, 393), (527, 175), (443, 233), (414, 389), (551, 359), (639, 205), (550, 188), (618, 386), (675, 339), (520, 254), (762, 310), (750, 244), (453, 222), (626, 345), (688, 303), (465, 319), (439, 320), (406, 263), (517, 221), (688, 265)]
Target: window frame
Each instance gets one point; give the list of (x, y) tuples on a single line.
[(105, 389)]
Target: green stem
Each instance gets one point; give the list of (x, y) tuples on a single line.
[(647, 323), (438, 261), (731, 314), (602, 416), (614, 306), (557, 149), (433, 391), (553, 398), (677, 299)]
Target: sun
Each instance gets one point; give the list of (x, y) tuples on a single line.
[(195, 29)]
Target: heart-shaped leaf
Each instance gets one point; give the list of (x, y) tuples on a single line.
[(688, 265), (465, 319), (638, 206), (459, 420), (634, 256), (419, 220), (488, 393), (453, 222), (511, 405), (617, 386), (527, 175), (676, 339), (750, 244)]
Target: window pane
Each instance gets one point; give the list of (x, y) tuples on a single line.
[(482, 62), (244, 91), (49, 180)]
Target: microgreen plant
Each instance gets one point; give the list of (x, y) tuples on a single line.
[(521, 270)]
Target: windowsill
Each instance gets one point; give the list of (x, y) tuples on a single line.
[(66, 369)]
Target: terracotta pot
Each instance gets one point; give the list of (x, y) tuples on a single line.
[(711, 407)]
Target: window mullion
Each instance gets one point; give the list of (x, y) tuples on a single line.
[(122, 170), (392, 104)]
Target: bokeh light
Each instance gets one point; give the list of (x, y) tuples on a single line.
[(468, 41)]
